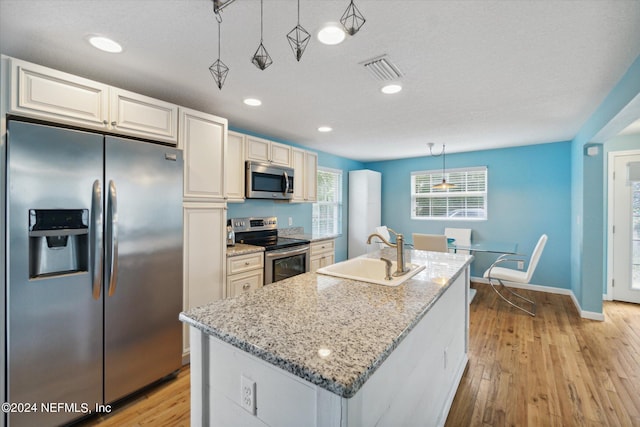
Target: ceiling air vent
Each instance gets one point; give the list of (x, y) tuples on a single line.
[(382, 69)]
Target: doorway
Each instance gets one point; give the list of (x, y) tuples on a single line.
[(623, 282)]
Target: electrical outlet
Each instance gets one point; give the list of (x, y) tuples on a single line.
[(520, 265), (290, 221), (248, 394)]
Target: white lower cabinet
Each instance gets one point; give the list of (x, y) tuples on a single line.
[(204, 253), (322, 254), (244, 273)]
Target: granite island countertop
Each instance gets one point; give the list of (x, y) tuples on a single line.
[(329, 331)]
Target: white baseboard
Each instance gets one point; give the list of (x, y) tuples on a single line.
[(592, 315)]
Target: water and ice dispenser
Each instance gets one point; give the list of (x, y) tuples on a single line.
[(58, 241)]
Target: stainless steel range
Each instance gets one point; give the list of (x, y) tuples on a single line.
[(284, 256)]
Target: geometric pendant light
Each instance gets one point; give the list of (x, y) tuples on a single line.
[(352, 20), (298, 38), (261, 58), (218, 69)]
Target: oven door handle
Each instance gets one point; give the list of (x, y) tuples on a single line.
[(278, 254)]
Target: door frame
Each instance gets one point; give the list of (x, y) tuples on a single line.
[(608, 296)]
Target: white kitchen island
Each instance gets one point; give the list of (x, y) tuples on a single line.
[(321, 351)]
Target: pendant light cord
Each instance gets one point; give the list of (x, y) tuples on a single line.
[(260, 21)]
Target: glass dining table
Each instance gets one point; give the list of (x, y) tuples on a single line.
[(484, 246)]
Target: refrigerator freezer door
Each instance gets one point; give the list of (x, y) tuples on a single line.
[(143, 220), (54, 323)]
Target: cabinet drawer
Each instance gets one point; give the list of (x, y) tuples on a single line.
[(242, 263), (244, 282), (322, 246)]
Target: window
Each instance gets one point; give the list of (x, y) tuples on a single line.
[(467, 200), (327, 211)]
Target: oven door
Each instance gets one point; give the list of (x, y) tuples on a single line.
[(283, 263)]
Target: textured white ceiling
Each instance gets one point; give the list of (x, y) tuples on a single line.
[(478, 74)]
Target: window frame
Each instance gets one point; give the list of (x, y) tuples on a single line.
[(338, 205), (435, 177)]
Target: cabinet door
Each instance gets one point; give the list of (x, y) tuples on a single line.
[(48, 94), (244, 282), (258, 149), (311, 176), (314, 263), (203, 138), (327, 259), (142, 116), (298, 164), (280, 154), (204, 256), (234, 167)]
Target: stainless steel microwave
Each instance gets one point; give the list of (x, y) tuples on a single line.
[(267, 181)]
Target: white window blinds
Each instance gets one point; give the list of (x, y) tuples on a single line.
[(467, 200), (327, 211)]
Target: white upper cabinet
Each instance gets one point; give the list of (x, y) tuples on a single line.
[(203, 139), (298, 165), (41, 92), (139, 115), (310, 176), (234, 167), (305, 164), (263, 150), (52, 95)]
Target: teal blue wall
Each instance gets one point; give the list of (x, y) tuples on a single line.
[(529, 193), (300, 213), (588, 201)]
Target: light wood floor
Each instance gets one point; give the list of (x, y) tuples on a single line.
[(552, 370)]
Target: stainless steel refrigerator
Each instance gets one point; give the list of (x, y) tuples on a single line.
[(94, 269)]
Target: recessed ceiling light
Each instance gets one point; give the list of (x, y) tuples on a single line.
[(324, 129), (253, 102), (105, 44), (392, 88), (331, 34)]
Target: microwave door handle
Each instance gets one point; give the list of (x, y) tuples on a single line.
[(96, 238), (286, 182)]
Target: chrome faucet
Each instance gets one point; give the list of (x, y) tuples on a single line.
[(401, 267)]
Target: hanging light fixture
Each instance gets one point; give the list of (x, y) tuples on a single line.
[(298, 38), (444, 185), (261, 58), (218, 69), (352, 20)]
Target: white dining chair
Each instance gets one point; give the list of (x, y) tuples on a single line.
[(498, 274), (430, 242), (462, 237)]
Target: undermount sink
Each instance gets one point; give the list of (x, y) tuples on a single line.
[(370, 270)]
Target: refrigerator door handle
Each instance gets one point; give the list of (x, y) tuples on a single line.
[(113, 207), (96, 238)]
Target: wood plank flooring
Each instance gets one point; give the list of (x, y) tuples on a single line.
[(552, 370)]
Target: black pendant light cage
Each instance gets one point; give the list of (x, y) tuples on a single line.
[(298, 38), (218, 69), (352, 19), (261, 58)]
